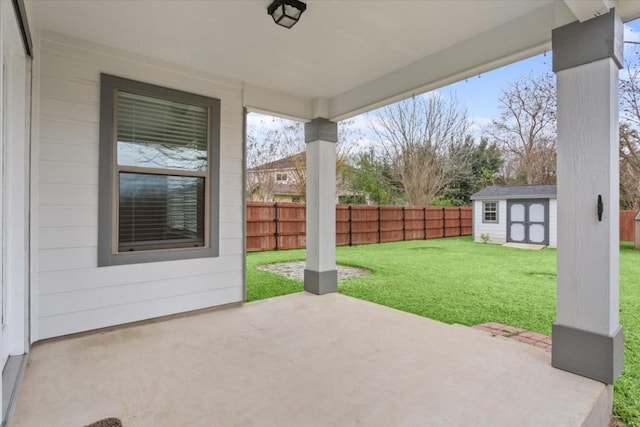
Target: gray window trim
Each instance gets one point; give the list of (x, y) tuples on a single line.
[(484, 219), (23, 24), (106, 221)]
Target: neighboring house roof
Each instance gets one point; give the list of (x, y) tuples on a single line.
[(290, 162), (284, 189), (516, 192), (278, 189)]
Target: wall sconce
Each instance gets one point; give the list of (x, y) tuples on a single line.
[(286, 12)]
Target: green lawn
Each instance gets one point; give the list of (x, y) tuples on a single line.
[(457, 281)]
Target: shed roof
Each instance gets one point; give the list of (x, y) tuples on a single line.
[(516, 192)]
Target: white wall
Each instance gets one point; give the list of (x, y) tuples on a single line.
[(497, 231), (14, 190), (553, 223), (72, 293)]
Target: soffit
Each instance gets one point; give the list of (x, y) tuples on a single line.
[(335, 51)]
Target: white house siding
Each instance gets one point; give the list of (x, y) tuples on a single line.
[(497, 231), (553, 223), (71, 293)]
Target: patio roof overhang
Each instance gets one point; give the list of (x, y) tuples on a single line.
[(342, 59)]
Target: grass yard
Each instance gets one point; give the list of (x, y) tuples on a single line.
[(455, 280)]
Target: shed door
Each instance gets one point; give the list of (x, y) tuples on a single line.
[(528, 221)]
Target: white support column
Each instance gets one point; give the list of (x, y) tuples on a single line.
[(587, 336), (320, 276)]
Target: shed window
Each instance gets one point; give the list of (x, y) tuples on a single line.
[(490, 212), (159, 171)]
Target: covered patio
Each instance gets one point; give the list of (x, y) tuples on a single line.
[(121, 114), (300, 360)]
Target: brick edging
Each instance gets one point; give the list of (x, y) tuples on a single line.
[(522, 335)]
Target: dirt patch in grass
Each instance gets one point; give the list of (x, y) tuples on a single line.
[(295, 270), (616, 422)]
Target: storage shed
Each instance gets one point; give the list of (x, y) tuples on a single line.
[(516, 213)]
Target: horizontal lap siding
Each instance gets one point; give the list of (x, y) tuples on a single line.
[(553, 223), (73, 294), (497, 232)]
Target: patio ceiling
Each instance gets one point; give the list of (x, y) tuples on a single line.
[(343, 57)]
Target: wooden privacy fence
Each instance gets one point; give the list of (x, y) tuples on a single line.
[(273, 226), (627, 225)]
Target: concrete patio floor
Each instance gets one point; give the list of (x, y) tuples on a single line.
[(302, 360)]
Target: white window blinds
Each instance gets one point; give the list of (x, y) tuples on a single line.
[(162, 162)]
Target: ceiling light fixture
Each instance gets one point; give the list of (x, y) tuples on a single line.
[(286, 12)]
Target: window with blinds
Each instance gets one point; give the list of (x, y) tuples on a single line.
[(162, 170), (160, 211), (161, 147)]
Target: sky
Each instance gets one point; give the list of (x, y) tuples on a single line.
[(479, 95)]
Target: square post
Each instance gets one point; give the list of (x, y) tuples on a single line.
[(587, 336), (321, 276)]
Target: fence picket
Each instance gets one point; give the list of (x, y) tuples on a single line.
[(424, 211), (282, 225), (350, 228), (627, 225), (277, 227)]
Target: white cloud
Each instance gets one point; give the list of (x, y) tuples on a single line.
[(360, 121), (265, 122)]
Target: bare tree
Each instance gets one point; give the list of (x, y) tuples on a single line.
[(417, 135), (526, 129), (298, 173), (276, 141), (629, 168), (630, 134), (268, 141)]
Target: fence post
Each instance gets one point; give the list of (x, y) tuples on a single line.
[(350, 228), (275, 220), (424, 211), (444, 222), (460, 221), (404, 226), (379, 225)]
